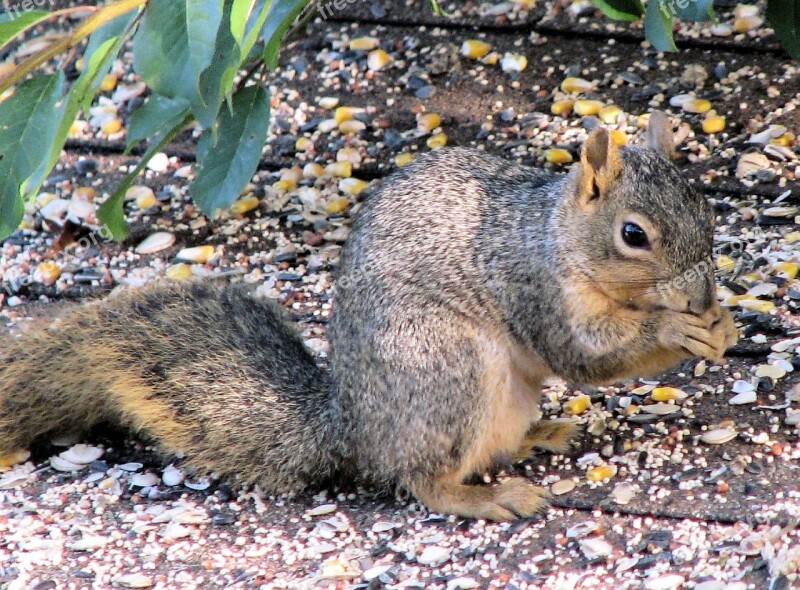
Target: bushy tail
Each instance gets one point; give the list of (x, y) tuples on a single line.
[(202, 369)]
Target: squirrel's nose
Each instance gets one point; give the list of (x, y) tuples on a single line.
[(702, 299)]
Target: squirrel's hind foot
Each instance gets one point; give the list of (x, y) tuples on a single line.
[(550, 435), (509, 500)]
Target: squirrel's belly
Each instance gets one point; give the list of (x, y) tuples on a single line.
[(512, 390)]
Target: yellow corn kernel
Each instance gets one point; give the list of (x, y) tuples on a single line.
[(112, 126), (378, 59), (586, 108), (437, 141), (747, 23), (352, 127), (757, 305), (577, 405), (77, 128), (668, 394), (109, 83), (179, 272), (47, 272), (736, 299), (726, 264), (577, 85), (245, 204), (401, 160), (428, 122), (557, 156), (610, 114), (475, 49), (303, 144), (787, 270), (491, 59), (696, 105), (339, 169), (284, 185), (785, 140), (619, 137), (750, 279), (352, 186), (336, 206), (562, 107), (713, 124), (601, 473), (364, 44), (342, 114), (87, 193), (313, 170), (146, 199), (198, 254), (8, 460)]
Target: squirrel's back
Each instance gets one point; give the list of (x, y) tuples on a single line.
[(201, 369)]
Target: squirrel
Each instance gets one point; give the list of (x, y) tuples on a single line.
[(466, 282)]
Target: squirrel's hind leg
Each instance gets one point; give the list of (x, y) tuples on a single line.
[(508, 500), (550, 435)]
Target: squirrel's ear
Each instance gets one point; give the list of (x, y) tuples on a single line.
[(600, 166), (659, 135)]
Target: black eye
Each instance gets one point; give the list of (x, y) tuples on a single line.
[(634, 235)]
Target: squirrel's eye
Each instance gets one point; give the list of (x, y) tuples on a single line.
[(634, 235)]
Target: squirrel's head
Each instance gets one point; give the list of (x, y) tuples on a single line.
[(646, 233)]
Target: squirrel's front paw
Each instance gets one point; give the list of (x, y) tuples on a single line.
[(708, 336)]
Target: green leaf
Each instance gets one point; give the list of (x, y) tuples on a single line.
[(175, 43), (225, 166), (216, 82), (255, 26), (658, 25), (28, 120), (111, 30), (80, 96), (693, 10), (111, 214), (282, 15), (155, 118), (627, 10), (11, 26), (784, 17), (240, 14)]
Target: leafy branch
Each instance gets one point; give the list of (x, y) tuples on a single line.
[(190, 53)]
